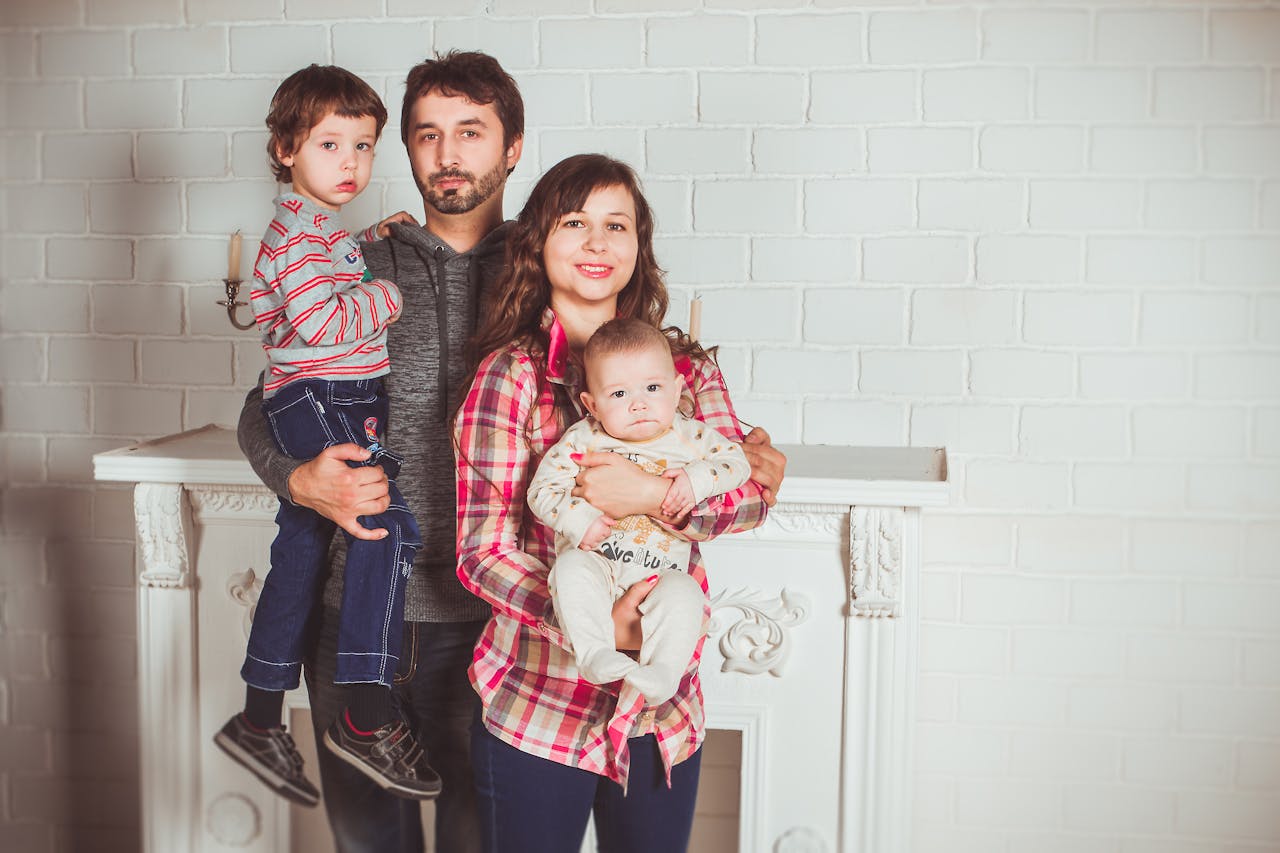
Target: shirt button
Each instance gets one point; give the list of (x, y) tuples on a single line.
[(646, 717)]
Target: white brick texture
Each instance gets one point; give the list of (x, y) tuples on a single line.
[(1042, 235)]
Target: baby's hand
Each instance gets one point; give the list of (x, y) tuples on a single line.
[(405, 217), (679, 499), (597, 533)]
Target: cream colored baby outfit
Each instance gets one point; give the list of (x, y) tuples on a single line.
[(585, 584)]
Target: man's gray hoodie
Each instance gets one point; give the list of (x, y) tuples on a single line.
[(427, 366)]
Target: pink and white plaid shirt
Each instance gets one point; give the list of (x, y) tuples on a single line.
[(527, 680)]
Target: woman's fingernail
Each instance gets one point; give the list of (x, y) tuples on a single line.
[(576, 457), (651, 579)]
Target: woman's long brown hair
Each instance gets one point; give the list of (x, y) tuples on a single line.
[(513, 314)]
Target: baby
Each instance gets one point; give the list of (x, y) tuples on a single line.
[(632, 394)]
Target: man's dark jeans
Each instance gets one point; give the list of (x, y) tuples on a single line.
[(306, 416), (437, 699)]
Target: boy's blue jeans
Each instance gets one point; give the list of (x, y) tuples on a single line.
[(306, 416)]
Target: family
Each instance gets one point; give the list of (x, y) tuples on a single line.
[(518, 460)]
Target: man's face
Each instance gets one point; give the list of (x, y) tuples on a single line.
[(456, 151)]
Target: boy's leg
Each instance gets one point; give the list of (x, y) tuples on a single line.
[(671, 624), (581, 585)]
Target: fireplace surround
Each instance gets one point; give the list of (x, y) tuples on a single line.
[(811, 650)]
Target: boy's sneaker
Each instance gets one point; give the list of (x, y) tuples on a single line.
[(390, 756), (269, 754)]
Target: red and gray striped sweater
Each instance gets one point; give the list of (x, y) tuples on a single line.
[(320, 316)]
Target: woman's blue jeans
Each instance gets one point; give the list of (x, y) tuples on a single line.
[(532, 805)]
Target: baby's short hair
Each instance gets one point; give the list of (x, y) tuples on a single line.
[(305, 98), (624, 334)]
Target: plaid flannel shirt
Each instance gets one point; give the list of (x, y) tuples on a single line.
[(525, 675)]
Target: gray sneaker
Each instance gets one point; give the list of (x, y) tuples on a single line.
[(391, 757), (270, 755)]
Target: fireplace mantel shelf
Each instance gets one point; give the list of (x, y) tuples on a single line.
[(811, 648)]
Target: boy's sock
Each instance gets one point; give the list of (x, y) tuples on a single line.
[(262, 708), (369, 707)]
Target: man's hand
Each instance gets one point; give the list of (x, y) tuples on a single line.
[(597, 533), (331, 487), (626, 615), (768, 464), (679, 499), (616, 486), (405, 217)]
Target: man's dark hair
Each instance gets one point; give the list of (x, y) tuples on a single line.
[(305, 98), (472, 75)]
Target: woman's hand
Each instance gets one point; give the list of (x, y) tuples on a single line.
[(617, 486), (331, 487), (626, 615), (768, 464)]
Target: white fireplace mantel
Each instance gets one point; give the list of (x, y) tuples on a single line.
[(811, 651)]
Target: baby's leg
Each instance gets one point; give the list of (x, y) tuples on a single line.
[(671, 619), (581, 585)]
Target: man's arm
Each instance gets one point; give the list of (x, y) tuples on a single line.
[(257, 445), (325, 484)]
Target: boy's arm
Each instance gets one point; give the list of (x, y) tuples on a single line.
[(272, 467), (324, 305), (551, 489), (719, 465), (382, 230)]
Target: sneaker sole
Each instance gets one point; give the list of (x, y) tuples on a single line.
[(266, 775), (377, 778)]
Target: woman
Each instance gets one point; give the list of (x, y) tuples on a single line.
[(550, 747)]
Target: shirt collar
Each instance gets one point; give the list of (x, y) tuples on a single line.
[(560, 367)]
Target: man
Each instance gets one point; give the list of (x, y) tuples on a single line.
[(462, 123)]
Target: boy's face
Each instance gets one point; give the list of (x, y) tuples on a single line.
[(333, 164), (633, 394), (457, 153)]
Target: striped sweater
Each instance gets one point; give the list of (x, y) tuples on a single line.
[(320, 315)]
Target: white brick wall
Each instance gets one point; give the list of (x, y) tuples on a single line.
[(1046, 236)]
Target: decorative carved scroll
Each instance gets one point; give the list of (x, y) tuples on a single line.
[(163, 520), (233, 820), (245, 588), (229, 500), (800, 839), (875, 552), (758, 639), (804, 522)]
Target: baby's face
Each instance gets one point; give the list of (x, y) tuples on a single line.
[(633, 394)]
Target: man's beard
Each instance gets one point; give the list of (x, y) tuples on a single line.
[(462, 200)]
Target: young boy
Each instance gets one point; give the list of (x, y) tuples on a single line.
[(324, 329), (632, 394)]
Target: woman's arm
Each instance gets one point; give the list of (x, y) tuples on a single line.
[(493, 459), (744, 508)]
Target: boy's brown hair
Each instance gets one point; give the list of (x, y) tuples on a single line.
[(472, 75), (622, 335), (305, 98)]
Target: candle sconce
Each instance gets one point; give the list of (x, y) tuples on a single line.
[(232, 305)]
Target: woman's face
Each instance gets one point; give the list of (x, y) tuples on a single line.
[(590, 254)]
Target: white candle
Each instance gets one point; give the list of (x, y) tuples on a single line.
[(695, 317), (233, 258)]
